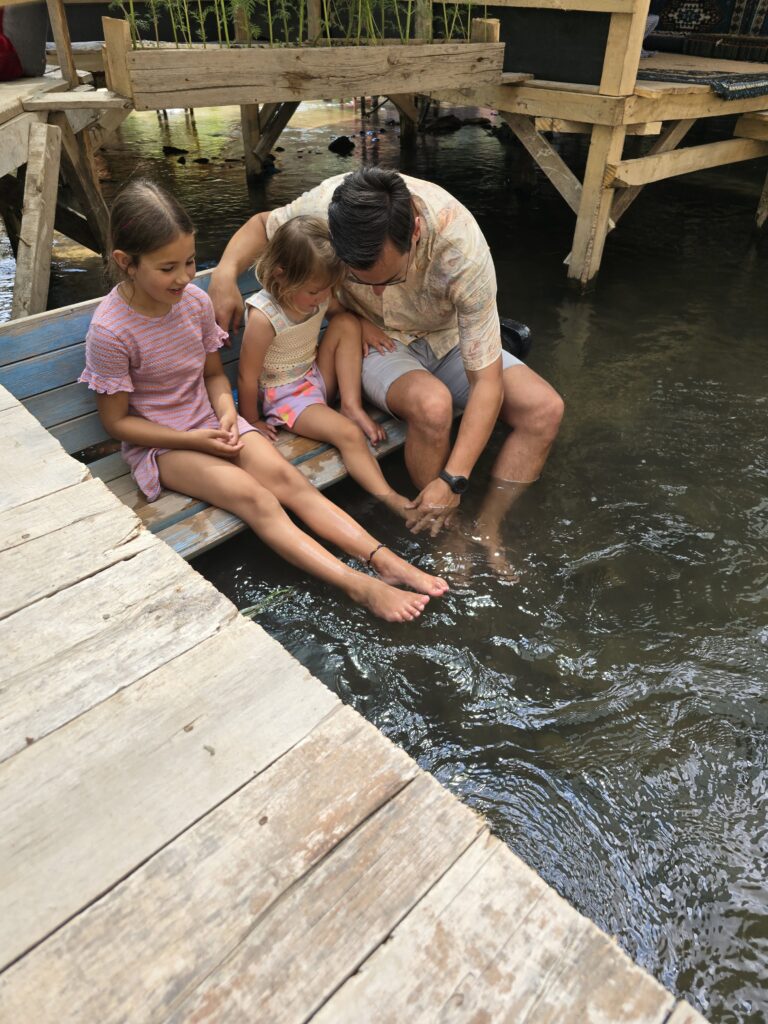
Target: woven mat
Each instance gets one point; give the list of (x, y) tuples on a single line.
[(729, 86)]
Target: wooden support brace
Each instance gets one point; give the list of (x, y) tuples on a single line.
[(752, 126), (267, 123), (60, 28), (555, 168), (33, 259), (11, 201), (80, 174), (67, 222), (642, 171), (563, 126), (670, 139), (409, 117)]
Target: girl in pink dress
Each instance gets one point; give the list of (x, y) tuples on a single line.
[(152, 357)]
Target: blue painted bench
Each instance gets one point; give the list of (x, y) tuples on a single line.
[(41, 358)]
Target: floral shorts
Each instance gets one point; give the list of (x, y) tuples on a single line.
[(281, 406)]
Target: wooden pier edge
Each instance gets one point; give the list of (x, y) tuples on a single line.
[(192, 826)]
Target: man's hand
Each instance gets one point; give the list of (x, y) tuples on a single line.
[(433, 508), (227, 301), (374, 337)]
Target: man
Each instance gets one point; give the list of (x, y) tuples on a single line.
[(421, 272)]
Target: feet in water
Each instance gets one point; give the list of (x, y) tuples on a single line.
[(388, 602), (395, 570), (372, 430)]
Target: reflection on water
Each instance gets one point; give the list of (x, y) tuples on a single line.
[(603, 702)]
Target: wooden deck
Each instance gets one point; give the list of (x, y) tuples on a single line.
[(193, 828)]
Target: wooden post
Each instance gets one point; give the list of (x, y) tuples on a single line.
[(409, 118), (33, 259), (485, 30), (264, 125), (594, 214), (314, 20), (80, 174), (423, 20), (64, 53), (117, 46), (250, 124), (622, 50)]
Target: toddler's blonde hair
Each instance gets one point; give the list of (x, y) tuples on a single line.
[(298, 251)]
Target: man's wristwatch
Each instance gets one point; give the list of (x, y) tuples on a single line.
[(458, 484)]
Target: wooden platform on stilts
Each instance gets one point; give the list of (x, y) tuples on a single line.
[(192, 827)]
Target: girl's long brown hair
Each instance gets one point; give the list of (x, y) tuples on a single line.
[(144, 217), (298, 251)]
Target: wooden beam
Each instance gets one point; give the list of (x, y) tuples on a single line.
[(622, 50), (560, 125), (250, 126), (593, 220), (80, 174), (117, 46), (274, 118), (752, 126), (671, 138), (597, 6), (642, 171), (694, 104), (532, 100), (555, 168), (33, 260), (60, 30), (167, 77), (97, 99), (409, 117)]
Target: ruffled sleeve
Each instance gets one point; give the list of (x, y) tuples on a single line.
[(107, 365), (213, 336)]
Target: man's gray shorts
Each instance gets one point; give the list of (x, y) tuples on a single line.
[(381, 371)]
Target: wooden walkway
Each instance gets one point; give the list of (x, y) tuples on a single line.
[(193, 828)]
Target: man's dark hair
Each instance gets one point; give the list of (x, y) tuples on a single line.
[(370, 206)]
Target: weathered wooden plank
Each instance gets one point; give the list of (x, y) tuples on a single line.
[(752, 126), (26, 447), (558, 124), (60, 29), (12, 93), (64, 654), (15, 141), (491, 941), (53, 512), (643, 170), (55, 561), (593, 220), (41, 187), (690, 105), (534, 101), (596, 6), (93, 99), (117, 44), (550, 162), (161, 755), (163, 78), (622, 50), (685, 1014), (303, 947), (161, 933)]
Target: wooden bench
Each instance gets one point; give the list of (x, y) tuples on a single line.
[(41, 358)]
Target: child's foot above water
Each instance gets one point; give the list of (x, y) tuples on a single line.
[(393, 569), (372, 430)]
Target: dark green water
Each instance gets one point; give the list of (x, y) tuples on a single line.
[(604, 703)]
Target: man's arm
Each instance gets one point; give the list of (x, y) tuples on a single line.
[(243, 248)]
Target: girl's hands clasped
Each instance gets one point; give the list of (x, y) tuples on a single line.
[(214, 442)]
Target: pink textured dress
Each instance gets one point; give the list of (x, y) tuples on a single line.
[(159, 361)]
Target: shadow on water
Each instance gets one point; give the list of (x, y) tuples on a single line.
[(604, 704)]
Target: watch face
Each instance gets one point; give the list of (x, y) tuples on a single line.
[(458, 484)]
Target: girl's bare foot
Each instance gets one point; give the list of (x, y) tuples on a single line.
[(394, 569), (372, 430), (387, 602)]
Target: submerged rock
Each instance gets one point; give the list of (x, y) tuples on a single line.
[(201, 160), (343, 145), (444, 124), (173, 150)]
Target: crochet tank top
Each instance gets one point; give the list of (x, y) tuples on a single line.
[(292, 353)]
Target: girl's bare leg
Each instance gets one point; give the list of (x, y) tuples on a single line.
[(262, 461), (324, 424), (226, 484), (340, 361)]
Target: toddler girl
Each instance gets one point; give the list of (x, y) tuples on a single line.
[(283, 368), (152, 357)]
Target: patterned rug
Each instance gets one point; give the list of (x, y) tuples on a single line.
[(735, 17), (729, 86)]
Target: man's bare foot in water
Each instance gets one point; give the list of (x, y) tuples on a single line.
[(393, 569), (385, 601), (372, 430)]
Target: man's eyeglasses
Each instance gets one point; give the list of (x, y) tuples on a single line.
[(398, 279)]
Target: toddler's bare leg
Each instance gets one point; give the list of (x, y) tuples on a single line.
[(340, 360)]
